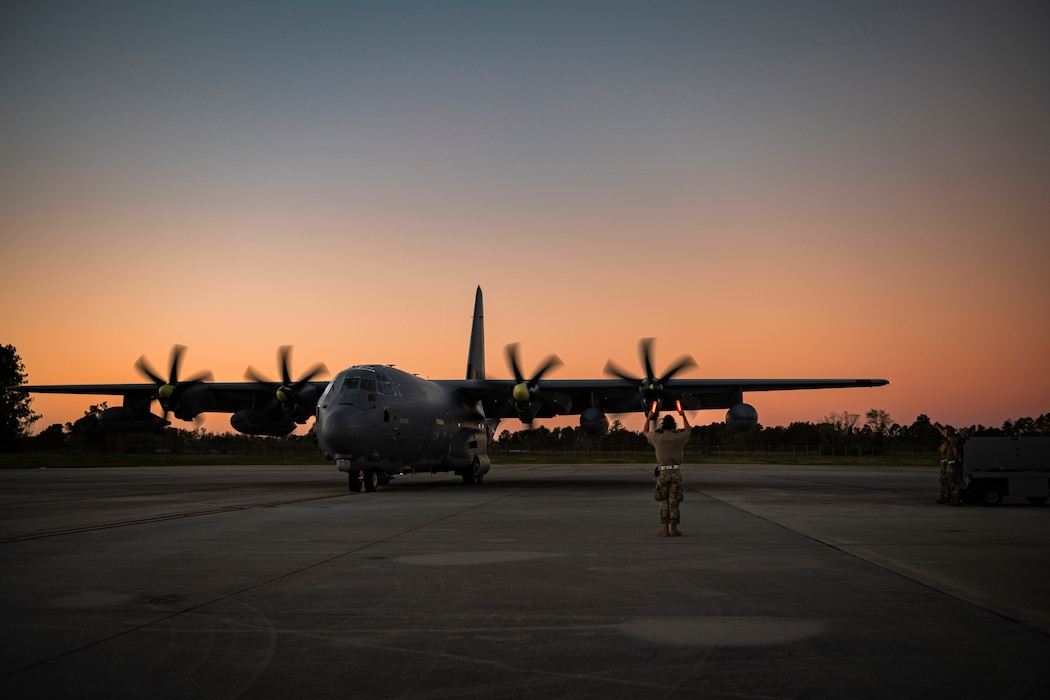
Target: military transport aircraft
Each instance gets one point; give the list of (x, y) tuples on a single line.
[(377, 421)]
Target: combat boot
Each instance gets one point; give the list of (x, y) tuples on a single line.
[(675, 532), (663, 531)]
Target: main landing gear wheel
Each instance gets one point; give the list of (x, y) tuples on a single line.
[(353, 481), (371, 480), (473, 477)]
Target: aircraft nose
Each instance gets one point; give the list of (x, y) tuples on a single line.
[(342, 428)]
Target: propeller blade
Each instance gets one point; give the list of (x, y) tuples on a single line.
[(645, 349), (170, 391), (525, 397), (202, 376), (144, 368), (512, 359), (176, 360), (284, 355), (613, 370), (177, 351), (683, 363), (651, 388), (513, 354), (286, 389), (253, 376), (315, 371), (552, 362)]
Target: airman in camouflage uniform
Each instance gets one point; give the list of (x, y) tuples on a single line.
[(943, 449), (951, 466), (670, 450)]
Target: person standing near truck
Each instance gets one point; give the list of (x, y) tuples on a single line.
[(951, 466)]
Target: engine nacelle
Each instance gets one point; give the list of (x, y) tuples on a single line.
[(305, 403), (526, 410), (252, 421), (741, 418), (468, 446), (188, 401), (594, 421), (121, 420)]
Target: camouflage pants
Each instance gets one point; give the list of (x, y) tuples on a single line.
[(945, 482), (951, 491), (954, 482), (669, 494)]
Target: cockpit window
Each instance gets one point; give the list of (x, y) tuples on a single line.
[(372, 383), (387, 387), (328, 391)]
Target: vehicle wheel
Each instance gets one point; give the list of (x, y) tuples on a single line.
[(1037, 500), (473, 477), (353, 482), (991, 497), (371, 480)]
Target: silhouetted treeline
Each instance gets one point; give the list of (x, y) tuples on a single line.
[(87, 435), (838, 433)]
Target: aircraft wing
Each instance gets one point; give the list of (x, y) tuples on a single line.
[(222, 397), (572, 397), (206, 397), (91, 389)]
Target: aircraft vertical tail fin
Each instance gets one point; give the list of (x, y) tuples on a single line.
[(476, 353)]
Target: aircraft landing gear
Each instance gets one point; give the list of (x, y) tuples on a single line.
[(473, 476), (371, 480)]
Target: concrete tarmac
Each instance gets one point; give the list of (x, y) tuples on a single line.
[(259, 582)]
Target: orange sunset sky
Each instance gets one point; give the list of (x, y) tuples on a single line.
[(795, 190)]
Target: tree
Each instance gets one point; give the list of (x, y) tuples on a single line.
[(803, 433), (922, 431), (16, 413), (837, 428), (53, 437), (88, 431), (879, 421)]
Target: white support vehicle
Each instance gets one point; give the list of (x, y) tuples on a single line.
[(997, 468)]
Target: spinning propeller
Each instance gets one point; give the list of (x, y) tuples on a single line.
[(526, 394), (171, 390), (650, 387), (287, 392)]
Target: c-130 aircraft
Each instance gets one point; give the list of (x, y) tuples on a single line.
[(377, 421)]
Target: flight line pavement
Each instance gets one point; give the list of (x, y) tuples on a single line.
[(258, 582)]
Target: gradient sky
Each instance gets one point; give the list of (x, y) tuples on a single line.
[(806, 189)]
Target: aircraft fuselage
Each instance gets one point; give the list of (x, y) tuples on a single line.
[(379, 420)]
